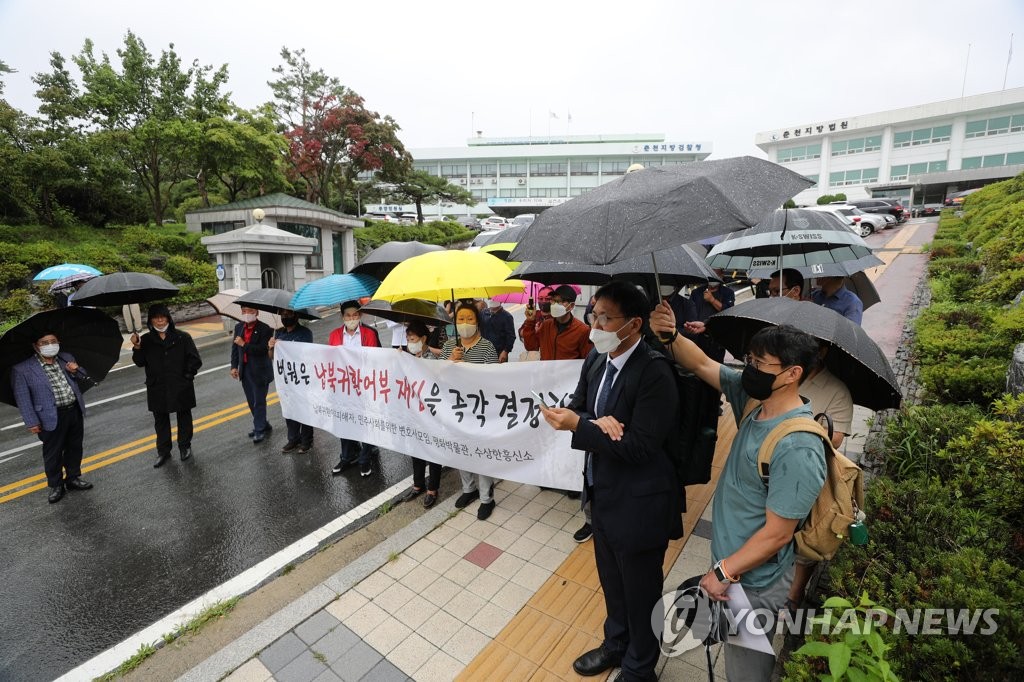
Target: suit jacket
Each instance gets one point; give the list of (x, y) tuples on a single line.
[(637, 500), (171, 365), (33, 394), (368, 336), (258, 364)]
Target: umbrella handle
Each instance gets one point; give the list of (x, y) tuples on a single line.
[(664, 338)]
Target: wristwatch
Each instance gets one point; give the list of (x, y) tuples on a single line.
[(722, 575)]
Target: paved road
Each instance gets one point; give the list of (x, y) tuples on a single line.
[(80, 576)]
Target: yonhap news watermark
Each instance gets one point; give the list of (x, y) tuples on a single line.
[(686, 619)]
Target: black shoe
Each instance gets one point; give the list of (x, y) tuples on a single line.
[(186, 453), (341, 466), (365, 471), (305, 447), (161, 459), (258, 438), (466, 498), (412, 494), (572, 494), (56, 494), (77, 484), (289, 446), (596, 661), (250, 434), (429, 500), (485, 510), (583, 534), (266, 430)]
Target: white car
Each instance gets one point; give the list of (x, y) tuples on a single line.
[(860, 222), (494, 222)]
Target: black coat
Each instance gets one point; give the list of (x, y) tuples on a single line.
[(171, 364), (637, 501), (257, 364)]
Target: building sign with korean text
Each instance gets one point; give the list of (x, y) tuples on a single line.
[(479, 418), (808, 131), (667, 148)]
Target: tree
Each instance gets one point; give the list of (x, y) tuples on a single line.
[(332, 136), (419, 187), (246, 153)]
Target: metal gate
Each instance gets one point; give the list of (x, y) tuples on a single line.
[(270, 279)]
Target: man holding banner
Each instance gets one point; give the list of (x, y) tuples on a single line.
[(622, 415), (353, 334)]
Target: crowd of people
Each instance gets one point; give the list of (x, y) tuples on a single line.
[(620, 416)]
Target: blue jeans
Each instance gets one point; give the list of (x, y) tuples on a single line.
[(353, 449), (256, 396)]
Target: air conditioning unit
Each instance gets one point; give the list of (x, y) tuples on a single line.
[(475, 181), (462, 181), (521, 181), (494, 181)]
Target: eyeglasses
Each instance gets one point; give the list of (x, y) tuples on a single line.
[(758, 364), (602, 319), (774, 293)]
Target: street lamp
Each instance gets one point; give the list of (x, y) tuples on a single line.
[(258, 214)]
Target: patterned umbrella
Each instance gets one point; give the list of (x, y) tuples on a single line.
[(334, 289), (70, 280), (65, 269)]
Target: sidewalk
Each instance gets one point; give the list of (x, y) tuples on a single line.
[(451, 597)]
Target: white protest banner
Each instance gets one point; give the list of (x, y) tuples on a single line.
[(479, 418)]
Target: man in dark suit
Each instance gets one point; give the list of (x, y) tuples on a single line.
[(622, 415), (47, 394), (251, 364)]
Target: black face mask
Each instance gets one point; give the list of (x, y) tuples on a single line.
[(758, 384), (545, 308), (289, 321)]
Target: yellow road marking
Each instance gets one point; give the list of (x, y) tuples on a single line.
[(893, 248), (126, 450)]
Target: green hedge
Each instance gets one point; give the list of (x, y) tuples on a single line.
[(440, 232)]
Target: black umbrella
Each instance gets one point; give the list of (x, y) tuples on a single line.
[(804, 237), (272, 300), (678, 266), (508, 235), (658, 208), (382, 260), (409, 310), (91, 336), (122, 288), (853, 358)]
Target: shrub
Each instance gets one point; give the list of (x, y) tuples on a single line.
[(916, 434), (971, 380), (13, 275), (16, 305)]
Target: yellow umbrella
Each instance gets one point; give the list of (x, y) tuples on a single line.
[(440, 275), (501, 251)]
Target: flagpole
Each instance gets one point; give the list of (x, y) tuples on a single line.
[(1009, 56), (966, 63)]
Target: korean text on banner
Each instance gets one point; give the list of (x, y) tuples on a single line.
[(479, 418)]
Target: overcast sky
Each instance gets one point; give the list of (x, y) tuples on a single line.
[(711, 70)]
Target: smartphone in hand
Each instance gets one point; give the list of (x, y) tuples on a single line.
[(540, 399)]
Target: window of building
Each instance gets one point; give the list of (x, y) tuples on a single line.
[(857, 146), (483, 193), (577, 191), (548, 192), (614, 167), (790, 154), (914, 138), (512, 192), (651, 161), (853, 177), (970, 162), (483, 170), (453, 170), (549, 168), (430, 168), (1014, 158), (584, 167), (1000, 125), (992, 160), (315, 260), (221, 228), (513, 170)]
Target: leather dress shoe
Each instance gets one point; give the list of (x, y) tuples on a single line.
[(258, 438), (161, 459), (77, 484), (266, 430), (56, 494), (186, 453), (596, 661)]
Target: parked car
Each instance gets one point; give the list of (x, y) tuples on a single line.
[(926, 210), (481, 239), (859, 222), (494, 222), (409, 219), (881, 205), (524, 219), (469, 221), (380, 217)]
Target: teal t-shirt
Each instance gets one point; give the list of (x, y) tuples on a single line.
[(797, 475)]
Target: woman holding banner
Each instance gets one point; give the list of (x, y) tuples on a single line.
[(416, 335), (470, 346)]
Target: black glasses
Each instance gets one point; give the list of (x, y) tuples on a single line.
[(758, 364)]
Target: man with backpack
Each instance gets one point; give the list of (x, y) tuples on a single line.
[(754, 522)]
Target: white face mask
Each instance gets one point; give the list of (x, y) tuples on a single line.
[(558, 310), (351, 325), (667, 290), (248, 318), (466, 331), (162, 329), (49, 350), (606, 342), (415, 347), (492, 304)]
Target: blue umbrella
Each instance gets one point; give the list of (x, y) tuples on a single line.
[(65, 270), (334, 289)]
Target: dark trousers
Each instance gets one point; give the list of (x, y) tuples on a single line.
[(353, 449), (62, 447), (162, 426), (256, 396), (299, 433), (632, 583), (419, 477)]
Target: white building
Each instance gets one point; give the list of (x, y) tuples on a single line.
[(509, 176), (919, 154)]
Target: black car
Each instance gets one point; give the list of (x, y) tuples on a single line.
[(891, 206)]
